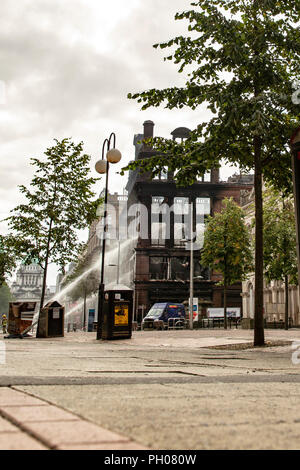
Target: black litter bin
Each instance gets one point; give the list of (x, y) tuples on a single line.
[(51, 321), (116, 315)]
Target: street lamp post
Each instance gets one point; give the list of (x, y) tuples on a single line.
[(190, 244), (191, 317), (118, 263), (113, 155), (84, 306)]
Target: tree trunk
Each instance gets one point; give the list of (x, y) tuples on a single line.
[(46, 266), (259, 338), (44, 284), (47, 254), (44, 277), (286, 278), (225, 274), (225, 306), (286, 282), (43, 295)]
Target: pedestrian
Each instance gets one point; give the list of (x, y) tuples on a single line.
[(4, 324)]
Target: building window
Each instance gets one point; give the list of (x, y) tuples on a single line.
[(160, 221), (181, 220), (163, 174), (202, 212), (159, 268), (180, 268)]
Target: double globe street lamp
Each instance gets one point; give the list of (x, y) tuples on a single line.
[(113, 156)]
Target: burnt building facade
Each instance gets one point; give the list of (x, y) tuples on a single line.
[(160, 214)]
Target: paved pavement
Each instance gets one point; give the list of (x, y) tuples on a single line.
[(187, 390)]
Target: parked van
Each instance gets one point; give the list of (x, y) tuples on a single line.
[(159, 316)]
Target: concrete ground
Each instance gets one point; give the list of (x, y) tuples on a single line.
[(186, 390)]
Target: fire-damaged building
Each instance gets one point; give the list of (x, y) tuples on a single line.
[(149, 233), (161, 216)]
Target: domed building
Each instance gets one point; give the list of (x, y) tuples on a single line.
[(28, 284)]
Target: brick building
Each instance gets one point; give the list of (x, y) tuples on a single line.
[(161, 211)]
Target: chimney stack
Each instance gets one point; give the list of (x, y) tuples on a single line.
[(215, 175), (148, 129), (148, 134)]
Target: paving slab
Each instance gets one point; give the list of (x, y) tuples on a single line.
[(10, 397), (105, 446), (19, 441), (27, 414), (34, 424), (61, 433), (6, 426)]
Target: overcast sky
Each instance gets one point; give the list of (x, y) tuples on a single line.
[(66, 69)]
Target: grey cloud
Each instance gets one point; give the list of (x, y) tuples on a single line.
[(62, 84), (63, 80)]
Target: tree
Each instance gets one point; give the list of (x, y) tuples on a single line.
[(243, 57), (8, 258), (59, 202), (227, 247), (5, 298), (280, 253)]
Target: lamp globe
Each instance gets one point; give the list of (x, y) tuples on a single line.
[(114, 156), (101, 166)]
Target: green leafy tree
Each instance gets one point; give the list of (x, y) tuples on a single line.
[(243, 57), (5, 298), (227, 246), (280, 253), (59, 202), (8, 258)]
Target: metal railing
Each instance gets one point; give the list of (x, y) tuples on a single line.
[(219, 322), (176, 323)]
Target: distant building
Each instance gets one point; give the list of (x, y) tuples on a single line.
[(28, 284), (274, 292), (241, 179)]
